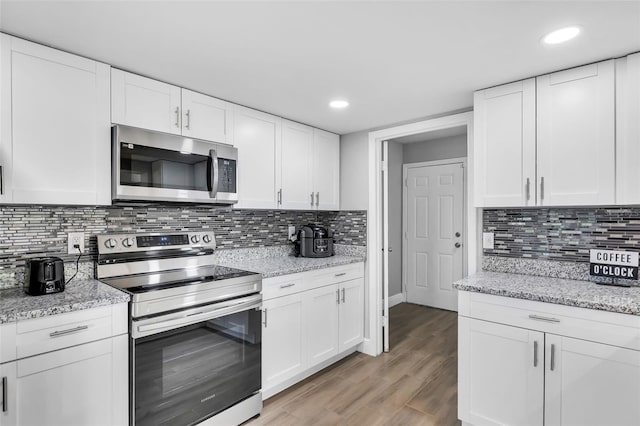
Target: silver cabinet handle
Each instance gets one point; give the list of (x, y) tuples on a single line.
[(317, 199), (535, 353), (188, 114), (280, 196), (528, 189), (5, 395), (552, 364), (541, 318), (312, 199), (457, 245), (343, 301), (341, 274), (1, 181), (177, 117), (265, 318), (287, 285), (69, 331), (542, 188), (338, 296)]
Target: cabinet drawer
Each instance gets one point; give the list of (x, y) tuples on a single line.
[(50, 333), (582, 323), (335, 275), (282, 286)]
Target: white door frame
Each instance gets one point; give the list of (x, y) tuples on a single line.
[(405, 245), (373, 344)]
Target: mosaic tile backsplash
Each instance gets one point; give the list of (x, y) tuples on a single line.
[(27, 231), (565, 234)]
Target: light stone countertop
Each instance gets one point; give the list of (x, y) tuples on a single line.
[(81, 293), (582, 294), (284, 265)]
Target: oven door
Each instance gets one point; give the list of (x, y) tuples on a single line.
[(190, 365), (153, 166)]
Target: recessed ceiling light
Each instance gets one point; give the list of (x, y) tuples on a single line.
[(561, 35), (338, 104)]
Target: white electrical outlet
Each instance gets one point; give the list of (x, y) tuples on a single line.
[(74, 238), (292, 232), (487, 240)]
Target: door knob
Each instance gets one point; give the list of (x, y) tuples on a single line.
[(458, 234), (457, 245)]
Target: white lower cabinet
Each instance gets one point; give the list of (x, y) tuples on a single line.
[(83, 384), (310, 320), (543, 374)]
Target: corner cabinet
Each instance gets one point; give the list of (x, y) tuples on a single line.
[(628, 129), (150, 104), (548, 141), (534, 363), (54, 126), (74, 364), (310, 320)]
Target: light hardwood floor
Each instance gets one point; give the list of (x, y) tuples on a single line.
[(414, 384)]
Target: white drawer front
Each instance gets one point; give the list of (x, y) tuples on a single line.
[(282, 286), (54, 332), (335, 275), (599, 326)]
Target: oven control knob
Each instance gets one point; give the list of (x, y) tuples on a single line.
[(127, 242), (206, 239), (110, 243), (195, 239)]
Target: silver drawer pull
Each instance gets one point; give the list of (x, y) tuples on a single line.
[(5, 395), (341, 274), (547, 319), (69, 331), (287, 285)]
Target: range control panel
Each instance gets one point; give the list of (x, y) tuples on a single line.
[(125, 243)]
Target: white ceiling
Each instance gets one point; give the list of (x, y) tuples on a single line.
[(394, 61)]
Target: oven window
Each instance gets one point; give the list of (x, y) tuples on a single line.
[(189, 374), (162, 168)]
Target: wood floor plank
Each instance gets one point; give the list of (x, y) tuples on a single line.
[(414, 384)]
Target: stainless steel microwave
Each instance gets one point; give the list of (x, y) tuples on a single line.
[(154, 166)]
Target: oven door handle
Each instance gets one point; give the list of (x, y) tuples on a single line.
[(194, 316)]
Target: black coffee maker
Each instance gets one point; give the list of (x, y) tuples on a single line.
[(314, 241), (44, 275)]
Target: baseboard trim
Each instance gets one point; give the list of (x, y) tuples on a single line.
[(396, 299)]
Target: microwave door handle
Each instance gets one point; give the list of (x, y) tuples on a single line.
[(213, 155)]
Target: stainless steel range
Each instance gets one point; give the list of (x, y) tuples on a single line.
[(195, 344)]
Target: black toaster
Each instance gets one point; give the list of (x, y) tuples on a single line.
[(314, 241), (44, 275)]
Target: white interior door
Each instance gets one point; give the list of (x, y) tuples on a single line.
[(434, 234)]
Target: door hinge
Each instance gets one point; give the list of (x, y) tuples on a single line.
[(384, 165), (385, 321)]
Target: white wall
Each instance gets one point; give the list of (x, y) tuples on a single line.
[(435, 149), (354, 171), (395, 218)]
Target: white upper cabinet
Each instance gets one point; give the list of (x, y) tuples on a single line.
[(505, 145), (576, 136), (150, 104), (146, 103), (628, 129), (204, 117), (258, 137), (54, 126), (296, 171), (326, 170)]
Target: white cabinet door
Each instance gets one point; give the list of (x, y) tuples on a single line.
[(576, 136), (204, 117), (500, 374), (351, 313), (55, 126), (322, 323), (81, 385), (146, 103), (283, 339), (326, 169), (628, 129), (590, 384), (296, 171), (8, 394), (505, 145), (257, 136)]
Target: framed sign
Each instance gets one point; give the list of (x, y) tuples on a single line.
[(614, 264)]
